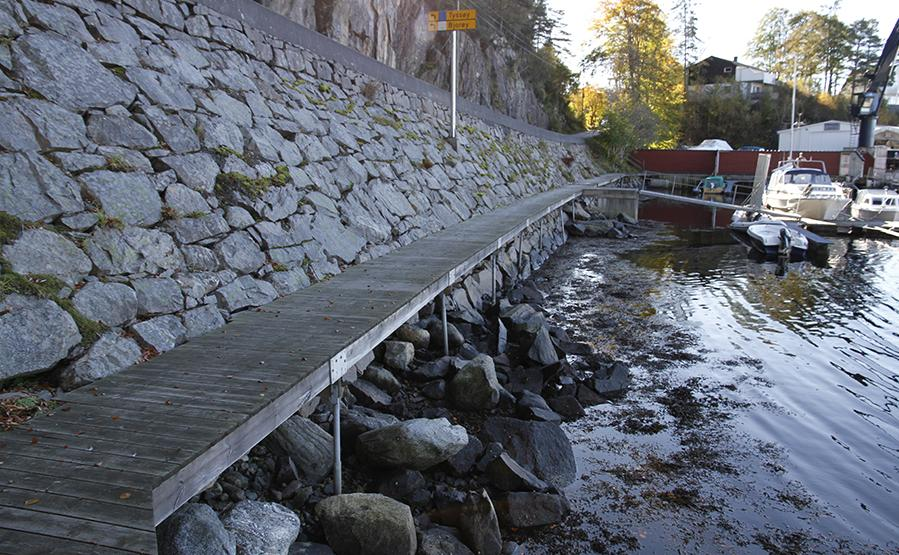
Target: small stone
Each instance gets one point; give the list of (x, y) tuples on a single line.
[(195, 529), (238, 218), (35, 334), (418, 337), (439, 368), (456, 339), (158, 295), (462, 462), (367, 524), (382, 378), (111, 304), (416, 444), (441, 540), (542, 349), (185, 201), (309, 447), (398, 354), (435, 390), (613, 382), (43, 252), (368, 394), (533, 407), (33, 189), (262, 528), (110, 354), (408, 486), (162, 333), (567, 406), (541, 447), (198, 171)]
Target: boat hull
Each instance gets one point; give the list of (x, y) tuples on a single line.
[(812, 208), (869, 215)]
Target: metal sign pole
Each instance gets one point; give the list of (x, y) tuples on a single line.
[(454, 70)]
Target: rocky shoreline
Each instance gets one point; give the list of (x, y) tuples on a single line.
[(441, 454)]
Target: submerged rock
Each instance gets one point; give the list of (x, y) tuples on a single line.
[(194, 529), (541, 447), (367, 524), (417, 444)]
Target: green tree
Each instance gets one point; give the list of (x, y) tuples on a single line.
[(864, 52), (768, 46), (636, 48), (687, 34)]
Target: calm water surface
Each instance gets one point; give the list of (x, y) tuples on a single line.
[(809, 364)]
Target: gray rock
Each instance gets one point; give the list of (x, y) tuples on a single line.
[(163, 90), (533, 407), (306, 548), (119, 131), (431, 370), (527, 509), (398, 354), (62, 72), (358, 420), (542, 349), (130, 197), (383, 379), (200, 259), (367, 524), (262, 528), (192, 230), (508, 475), (62, 19), (541, 447), (368, 394), (289, 281), (613, 382), (238, 217), (441, 540), (419, 337), (198, 171), (178, 136), (240, 252), (246, 291), (408, 486), (309, 447), (567, 406), (48, 126), (33, 189), (195, 530), (80, 221), (162, 333), (475, 387), (158, 295), (456, 339), (110, 354), (435, 390), (39, 251), (35, 334), (202, 320), (477, 524), (133, 250), (111, 304), (417, 444), (336, 239), (523, 320), (185, 201), (462, 462)]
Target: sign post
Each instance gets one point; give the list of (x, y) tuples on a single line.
[(455, 21)]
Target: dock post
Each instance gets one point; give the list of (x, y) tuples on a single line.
[(493, 277), (518, 265), (338, 475), (443, 319), (714, 217)]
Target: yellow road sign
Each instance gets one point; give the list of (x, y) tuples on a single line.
[(452, 20), (452, 25)]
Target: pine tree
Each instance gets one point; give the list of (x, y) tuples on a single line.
[(688, 40)]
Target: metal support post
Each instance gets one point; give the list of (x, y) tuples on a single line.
[(338, 477), (714, 217), (443, 319), (454, 89), (519, 252), (493, 277)]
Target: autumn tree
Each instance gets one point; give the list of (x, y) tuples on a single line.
[(687, 44), (635, 47)]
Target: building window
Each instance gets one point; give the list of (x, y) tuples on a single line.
[(728, 70), (833, 126)]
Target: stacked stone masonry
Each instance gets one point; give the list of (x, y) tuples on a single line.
[(163, 166)]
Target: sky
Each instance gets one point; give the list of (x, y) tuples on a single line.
[(725, 27)]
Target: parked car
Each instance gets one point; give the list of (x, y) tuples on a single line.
[(751, 148)]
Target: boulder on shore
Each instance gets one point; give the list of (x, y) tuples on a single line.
[(541, 447), (398, 355), (441, 540), (367, 524), (417, 444), (529, 509), (419, 337), (194, 529), (477, 522), (309, 447), (262, 528), (475, 386)]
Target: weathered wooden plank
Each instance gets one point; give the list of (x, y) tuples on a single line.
[(150, 409), (130, 412), (75, 507), (126, 437), (17, 542), (104, 535), (73, 487), (103, 477), (69, 441)]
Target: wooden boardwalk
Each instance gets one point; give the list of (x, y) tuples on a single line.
[(120, 455)]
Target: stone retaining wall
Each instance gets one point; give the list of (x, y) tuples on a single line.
[(163, 166)]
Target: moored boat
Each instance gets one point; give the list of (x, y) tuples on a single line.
[(875, 204), (806, 191)]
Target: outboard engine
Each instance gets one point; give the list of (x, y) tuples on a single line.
[(786, 243)]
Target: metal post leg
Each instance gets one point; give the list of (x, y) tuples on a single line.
[(519, 252), (714, 217), (443, 319), (493, 277), (338, 475)]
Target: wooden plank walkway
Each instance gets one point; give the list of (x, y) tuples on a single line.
[(120, 455)]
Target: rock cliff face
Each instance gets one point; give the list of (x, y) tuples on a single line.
[(395, 32), (163, 166)]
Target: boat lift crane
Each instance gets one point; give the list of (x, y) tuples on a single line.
[(866, 104)]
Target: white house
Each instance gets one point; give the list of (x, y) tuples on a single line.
[(829, 135)]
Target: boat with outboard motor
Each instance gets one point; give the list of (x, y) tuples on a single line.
[(805, 190), (769, 238)]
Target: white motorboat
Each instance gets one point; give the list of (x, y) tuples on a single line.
[(875, 204), (771, 238), (805, 190)]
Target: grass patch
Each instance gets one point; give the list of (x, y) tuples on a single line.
[(348, 110), (254, 188), (105, 220), (10, 227), (225, 151), (36, 285), (278, 267), (118, 163), (90, 330), (387, 122), (324, 88), (426, 163)]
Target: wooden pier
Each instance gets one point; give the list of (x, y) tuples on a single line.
[(121, 454)]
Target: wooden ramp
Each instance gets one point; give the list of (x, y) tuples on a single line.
[(120, 455)]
